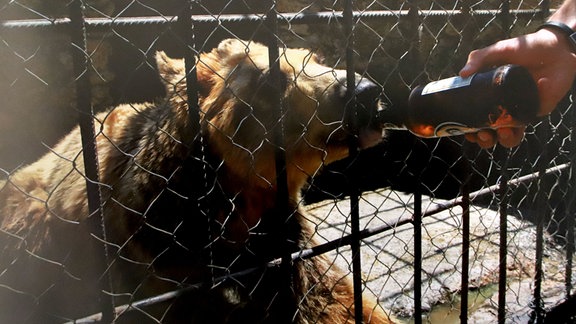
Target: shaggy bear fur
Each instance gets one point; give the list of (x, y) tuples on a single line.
[(185, 210)]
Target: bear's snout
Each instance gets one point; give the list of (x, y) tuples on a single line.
[(367, 95), (360, 118)]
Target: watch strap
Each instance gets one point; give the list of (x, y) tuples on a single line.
[(565, 29)]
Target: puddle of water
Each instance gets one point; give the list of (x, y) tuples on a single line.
[(449, 313)]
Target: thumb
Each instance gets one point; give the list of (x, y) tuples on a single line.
[(476, 61), (468, 70), (496, 54)]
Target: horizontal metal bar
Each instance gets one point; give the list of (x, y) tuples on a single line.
[(345, 240), (283, 18), (97, 318)]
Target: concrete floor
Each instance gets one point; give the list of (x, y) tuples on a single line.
[(388, 258)]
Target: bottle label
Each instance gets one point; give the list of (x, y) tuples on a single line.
[(452, 129), (445, 84)]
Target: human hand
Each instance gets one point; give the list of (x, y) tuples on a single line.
[(549, 57)]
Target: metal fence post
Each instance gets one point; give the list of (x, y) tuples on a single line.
[(186, 25), (95, 221), (465, 250), (348, 15), (282, 194), (417, 222), (542, 214), (571, 205), (503, 203)]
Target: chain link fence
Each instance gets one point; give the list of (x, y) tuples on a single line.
[(220, 189)]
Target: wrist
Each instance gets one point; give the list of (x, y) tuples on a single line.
[(566, 14), (564, 33)]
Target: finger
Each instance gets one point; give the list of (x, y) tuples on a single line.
[(477, 61), (471, 137), (510, 136), (473, 64), (499, 53), (486, 138)]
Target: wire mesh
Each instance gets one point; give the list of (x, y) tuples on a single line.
[(228, 187)]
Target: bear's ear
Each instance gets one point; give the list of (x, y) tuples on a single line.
[(171, 70), (232, 51), (232, 46)]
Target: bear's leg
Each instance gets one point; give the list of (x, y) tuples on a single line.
[(330, 294)]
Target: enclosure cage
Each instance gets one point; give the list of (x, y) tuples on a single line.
[(436, 230)]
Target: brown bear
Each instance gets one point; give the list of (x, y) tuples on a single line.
[(189, 206)]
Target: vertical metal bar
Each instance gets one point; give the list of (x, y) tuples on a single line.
[(570, 214), (348, 15), (415, 65), (503, 245), (356, 256), (282, 195), (186, 30), (545, 8), (571, 205), (417, 257), (537, 301), (542, 214), (413, 22), (275, 75), (468, 34), (465, 253), (95, 221), (503, 198), (505, 18), (186, 26)]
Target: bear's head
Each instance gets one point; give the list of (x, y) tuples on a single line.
[(240, 110)]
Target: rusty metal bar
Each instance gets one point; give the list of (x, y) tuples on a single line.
[(228, 19), (186, 29), (286, 296), (505, 18), (465, 257), (412, 18), (348, 23), (502, 195), (417, 223), (468, 35), (537, 303), (545, 7), (465, 274), (465, 252), (275, 76), (95, 220), (543, 213)]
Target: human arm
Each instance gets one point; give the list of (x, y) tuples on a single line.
[(550, 57)]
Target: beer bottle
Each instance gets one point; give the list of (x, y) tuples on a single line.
[(504, 97)]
